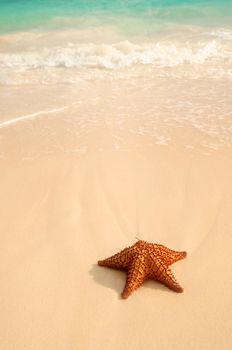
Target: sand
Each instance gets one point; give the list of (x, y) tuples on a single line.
[(70, 199)]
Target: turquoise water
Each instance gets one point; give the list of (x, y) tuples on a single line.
[(95, 36), (27, 15)]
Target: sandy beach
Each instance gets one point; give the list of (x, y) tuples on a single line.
[(76, 189), (115, 126)]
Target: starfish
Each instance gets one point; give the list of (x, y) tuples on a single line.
[(144, 261)]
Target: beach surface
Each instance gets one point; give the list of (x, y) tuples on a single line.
[(79, 183), (115, 126)]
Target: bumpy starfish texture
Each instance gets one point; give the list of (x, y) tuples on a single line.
[(144, 261)]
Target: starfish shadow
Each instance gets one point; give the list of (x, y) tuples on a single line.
[(115, 280), (109, 278)]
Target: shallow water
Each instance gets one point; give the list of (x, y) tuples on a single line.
[(172, 60), (98, 37), (140, 15)]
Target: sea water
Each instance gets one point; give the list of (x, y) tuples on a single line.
[(145, 15), (115, 34), (179, 51)]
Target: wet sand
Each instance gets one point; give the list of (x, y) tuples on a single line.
[(79, 184)]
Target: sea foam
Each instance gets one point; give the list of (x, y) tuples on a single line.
[(116, 56)]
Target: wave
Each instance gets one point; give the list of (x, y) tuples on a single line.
[(222, 34), (30, 116), (116, 56)]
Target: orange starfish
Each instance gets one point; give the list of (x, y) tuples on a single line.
[(144, 261)]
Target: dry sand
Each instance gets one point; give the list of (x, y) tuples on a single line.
[(63, 211)]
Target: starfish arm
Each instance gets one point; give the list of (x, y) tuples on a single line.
[(161, 273), (167, 255), (120, 260), (136, 275)]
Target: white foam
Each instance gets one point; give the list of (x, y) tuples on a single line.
[(30, 116), (120, 55), (224, 34)]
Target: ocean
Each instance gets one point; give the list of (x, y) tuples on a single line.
[(179, 51), (116, 34), (141, 16)]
